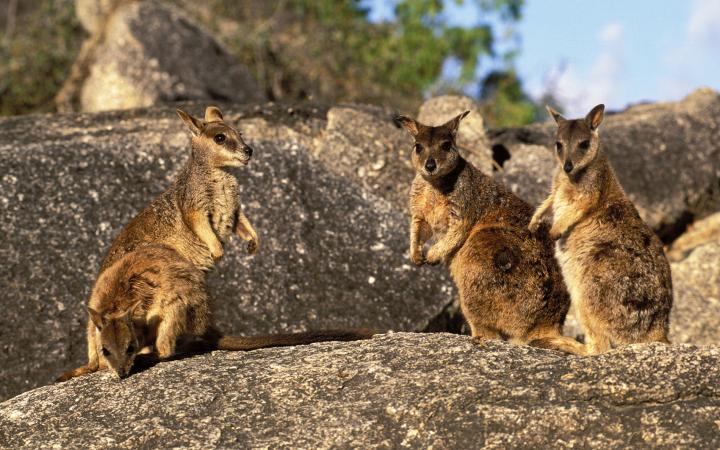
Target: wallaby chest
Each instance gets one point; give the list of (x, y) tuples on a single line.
[(224, 203), (438, 210)]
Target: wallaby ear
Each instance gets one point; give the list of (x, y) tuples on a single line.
[(595, 117), (409, 124), (555, 115), (96, 318), (213, 114), (454, 123), (195, 125)]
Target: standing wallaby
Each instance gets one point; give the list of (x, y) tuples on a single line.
[(202, 206), (151, 298), (613, 264), (509, 282)]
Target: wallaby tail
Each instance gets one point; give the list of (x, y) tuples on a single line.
[(77, 372), (216, 340), (562, 343)]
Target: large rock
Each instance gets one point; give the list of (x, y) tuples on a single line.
[(151, 54), (702, 232), (332, 254), (696, 310), (666, 155), (394, 391), (364, 144), (92, 13)]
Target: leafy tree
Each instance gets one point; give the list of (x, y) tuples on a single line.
[(329, 50), (36, 53)]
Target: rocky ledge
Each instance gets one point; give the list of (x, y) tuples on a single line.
[(397, 390)]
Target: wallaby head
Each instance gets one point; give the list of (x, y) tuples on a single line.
[(577, 142), (434, 154), (118, 341), (222, 144)]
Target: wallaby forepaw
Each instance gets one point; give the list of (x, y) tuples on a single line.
[(418, 259), (533, 226), (217, 252), (253, 246)]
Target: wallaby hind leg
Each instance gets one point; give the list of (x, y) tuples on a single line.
[(481, 334)]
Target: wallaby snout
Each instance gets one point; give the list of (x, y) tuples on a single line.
[(430, 165)]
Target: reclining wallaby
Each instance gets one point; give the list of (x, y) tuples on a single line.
[(614, 265), (151, 298), (202, 206), (509, 282)]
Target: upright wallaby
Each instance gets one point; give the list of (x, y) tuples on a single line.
[(613, 264), (202, 206), (151, 298), (509, 282)]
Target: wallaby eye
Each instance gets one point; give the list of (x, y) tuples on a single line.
[(418, 148), (558, 146), (584, 145), (130, 349), (219, 138), (446, 146), (105, 352)]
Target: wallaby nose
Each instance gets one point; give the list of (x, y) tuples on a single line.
[(248, 150), (568, 167), (430, 165)]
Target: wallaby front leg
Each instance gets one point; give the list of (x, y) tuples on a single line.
[(540, 212), (245, 231), (200, 225), (419, 234), (446, 246)]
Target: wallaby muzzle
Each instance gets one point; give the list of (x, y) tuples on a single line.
[(430, 165)]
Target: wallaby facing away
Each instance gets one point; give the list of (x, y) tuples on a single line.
[(509, 282), (202, 206), (152, 297), (613, 264)]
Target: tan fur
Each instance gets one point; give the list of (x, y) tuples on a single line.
[(200, 210), (612, 262), (509, 282), (151, 299)]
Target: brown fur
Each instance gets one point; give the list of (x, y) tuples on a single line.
[(200, 210), (510, 285), (613, 264), (152, 298)]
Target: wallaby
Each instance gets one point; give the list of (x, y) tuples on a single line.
[(613, 264), (202, 206), (150, 299), (509, 283)]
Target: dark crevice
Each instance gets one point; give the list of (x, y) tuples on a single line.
[(668, 232), (500, 154), (450, 320)]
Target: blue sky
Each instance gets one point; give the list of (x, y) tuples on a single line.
[(611, 51)]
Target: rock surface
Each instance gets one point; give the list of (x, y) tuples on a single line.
[(92, 13), (696, 311), (151, 54), (666, 155), (364, 144), (394, 391), (332, 255)]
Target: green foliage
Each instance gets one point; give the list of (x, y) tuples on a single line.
[(504, 103), (36, 59)]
